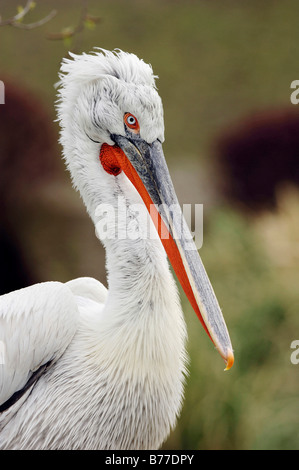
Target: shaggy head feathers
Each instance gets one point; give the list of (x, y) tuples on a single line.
[(96, 89), (122, 65)]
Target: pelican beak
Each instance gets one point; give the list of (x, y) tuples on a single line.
[(145, 166)]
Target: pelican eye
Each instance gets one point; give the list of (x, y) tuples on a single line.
[(131, 122)]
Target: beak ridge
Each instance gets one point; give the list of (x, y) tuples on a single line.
[(145, 166)]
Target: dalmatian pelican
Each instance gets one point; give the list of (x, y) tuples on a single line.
[(85, 367)]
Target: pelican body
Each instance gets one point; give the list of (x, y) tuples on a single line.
[(85, 367)]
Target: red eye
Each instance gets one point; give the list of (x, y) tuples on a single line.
[(131, 122)]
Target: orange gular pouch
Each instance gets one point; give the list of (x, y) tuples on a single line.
[(111, 158)]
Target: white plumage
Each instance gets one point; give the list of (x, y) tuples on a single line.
[(114, 360)]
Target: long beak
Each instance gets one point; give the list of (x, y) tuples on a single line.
[(145, 166)]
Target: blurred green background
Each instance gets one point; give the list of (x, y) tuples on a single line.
[(217, 62)]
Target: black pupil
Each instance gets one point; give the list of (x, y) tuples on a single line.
[(131, 120)]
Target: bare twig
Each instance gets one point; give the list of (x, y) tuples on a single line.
[(70, 32), (73, 35), (19, 16), (15, 20), (37, 23), (85, 21)]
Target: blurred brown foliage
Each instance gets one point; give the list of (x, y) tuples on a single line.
[(26, 161), (257, 156)]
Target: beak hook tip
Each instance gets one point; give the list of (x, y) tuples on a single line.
[(229, 360)]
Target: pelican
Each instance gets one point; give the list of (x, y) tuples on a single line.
[(85, 367)]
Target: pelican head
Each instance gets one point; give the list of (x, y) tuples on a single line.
[(112, 130)]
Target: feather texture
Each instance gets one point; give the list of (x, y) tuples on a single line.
[(118, 356)]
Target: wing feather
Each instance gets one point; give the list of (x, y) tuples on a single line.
[(37, 324)]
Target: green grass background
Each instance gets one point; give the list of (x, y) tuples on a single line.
[(217, 61)]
